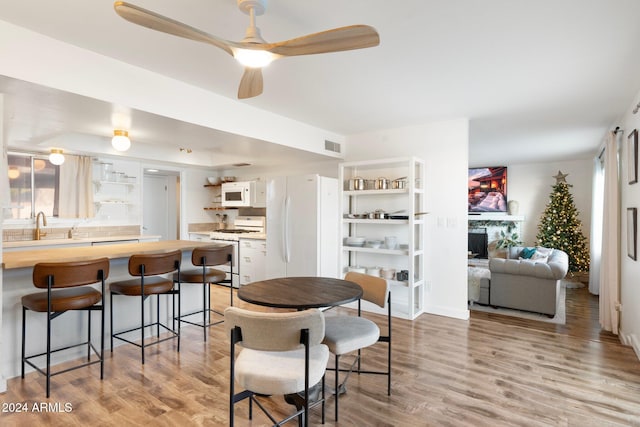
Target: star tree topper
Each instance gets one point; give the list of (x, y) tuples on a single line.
[(561, 177)]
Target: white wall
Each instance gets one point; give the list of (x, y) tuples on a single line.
[(76, 70), (530, 184), (3, 198), (444, 147), (629, 269)]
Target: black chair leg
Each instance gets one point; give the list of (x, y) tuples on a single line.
[(102, 340), (142, 326), (111, 319), (24, 320), (179, 313), (337, 391), (158, 314), (48, 353), (205, 311), (89, 335)]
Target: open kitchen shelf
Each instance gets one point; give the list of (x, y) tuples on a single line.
[(374, 192), (407, 295), (376, 250), (218, 208)]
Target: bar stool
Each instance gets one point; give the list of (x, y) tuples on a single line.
[(206, 257), (149, 268), (74, 276)]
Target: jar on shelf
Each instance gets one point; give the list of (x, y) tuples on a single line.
[(106, 170)]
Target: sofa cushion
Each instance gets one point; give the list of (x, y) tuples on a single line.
[(555, 267)]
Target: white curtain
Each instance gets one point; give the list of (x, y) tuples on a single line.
[(609, 272), (75, 193), (597, 207)]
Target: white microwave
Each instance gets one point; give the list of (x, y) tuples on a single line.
[(244, 194)]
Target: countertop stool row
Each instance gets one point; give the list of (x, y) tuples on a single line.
[(70, 287)]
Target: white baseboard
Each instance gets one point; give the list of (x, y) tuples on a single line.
[(447, 311), (632, 341)]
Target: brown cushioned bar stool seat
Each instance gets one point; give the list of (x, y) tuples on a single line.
[(149, 269), (74, 277), (63, 300), (205, 258), (152, 286)]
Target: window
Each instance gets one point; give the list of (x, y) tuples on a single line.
[(33, 186)]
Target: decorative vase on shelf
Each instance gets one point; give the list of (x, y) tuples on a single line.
[(513, 207)]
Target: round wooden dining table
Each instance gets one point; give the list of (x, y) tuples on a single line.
[(300, 293)]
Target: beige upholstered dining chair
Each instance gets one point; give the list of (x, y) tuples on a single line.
[(348, 334), (281, 354)]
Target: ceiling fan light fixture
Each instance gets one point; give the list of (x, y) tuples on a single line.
[(120, 140), (56, 157), (253, 58)]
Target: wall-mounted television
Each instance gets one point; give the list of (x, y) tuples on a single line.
[(488, 189)]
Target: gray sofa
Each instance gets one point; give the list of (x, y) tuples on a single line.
[(526, 284)]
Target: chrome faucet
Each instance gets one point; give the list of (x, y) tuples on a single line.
[(44, 224)]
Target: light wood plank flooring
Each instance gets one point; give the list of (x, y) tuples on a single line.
[(491, 370)]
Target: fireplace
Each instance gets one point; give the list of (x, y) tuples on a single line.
[(478, 242)]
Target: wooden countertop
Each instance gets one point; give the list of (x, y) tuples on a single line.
[(29, 258)]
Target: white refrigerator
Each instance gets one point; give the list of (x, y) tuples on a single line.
[(302, 226)]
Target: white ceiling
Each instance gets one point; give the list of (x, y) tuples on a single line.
[(539, 80)]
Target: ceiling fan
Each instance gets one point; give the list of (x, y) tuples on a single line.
[(253, 51)]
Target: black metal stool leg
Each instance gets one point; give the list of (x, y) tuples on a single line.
[(205, 310), (142, 326), (337, 386), (89, 335), (24, 320)]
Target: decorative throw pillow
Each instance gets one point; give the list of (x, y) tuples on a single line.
[(527, 253), (544, 251), (541, 254)]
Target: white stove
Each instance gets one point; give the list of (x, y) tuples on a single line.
[(245, 226), (242, 227)]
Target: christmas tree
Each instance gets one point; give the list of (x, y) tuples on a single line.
[(560, 227)]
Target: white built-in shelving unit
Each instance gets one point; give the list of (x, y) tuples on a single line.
[(409, 204)]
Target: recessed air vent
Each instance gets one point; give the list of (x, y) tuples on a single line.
[(331, 146)]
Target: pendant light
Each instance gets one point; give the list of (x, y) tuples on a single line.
[(120, 140), (56, 157)]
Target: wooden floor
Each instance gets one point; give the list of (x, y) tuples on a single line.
[(490, 370)]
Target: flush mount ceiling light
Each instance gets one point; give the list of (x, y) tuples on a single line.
[(56, 157), (120, 140)]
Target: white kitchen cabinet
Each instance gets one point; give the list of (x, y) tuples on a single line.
[(406, 208), (253, 260), (200, 236)]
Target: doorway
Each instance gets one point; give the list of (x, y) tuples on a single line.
[(161, 204)]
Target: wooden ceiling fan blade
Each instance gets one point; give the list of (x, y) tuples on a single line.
[(251, 83), (335, 40), (154, 21)]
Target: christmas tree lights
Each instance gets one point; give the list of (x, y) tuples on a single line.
[(560, 227)]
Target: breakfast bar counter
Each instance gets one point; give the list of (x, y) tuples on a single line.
[(17, 271), (30, 257)]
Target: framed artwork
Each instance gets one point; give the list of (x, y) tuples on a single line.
[(632, 155), (632, 233)]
